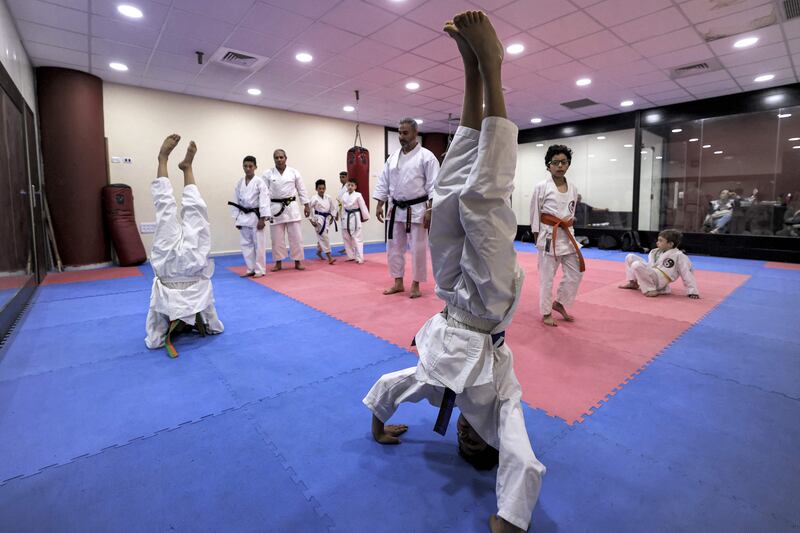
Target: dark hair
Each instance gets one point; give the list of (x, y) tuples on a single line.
[(556, 149), (249, 159), (281, 150), (410, 121), (352, 180), (343, 173), (672, 235), (486, 459), (318, 183)]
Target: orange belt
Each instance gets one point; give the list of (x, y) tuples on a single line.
[(552, 220)]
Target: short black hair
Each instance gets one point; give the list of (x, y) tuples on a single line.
[(352, 180), (410, 121), (249, 159), (318, 183), (556, 149), (672, 235), (343, 173)]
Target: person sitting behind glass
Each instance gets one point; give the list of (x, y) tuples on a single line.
[(791, 219), (719, 213), (583, 212)]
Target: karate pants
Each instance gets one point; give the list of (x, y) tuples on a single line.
[(570, 280), (499, 422), (278, 232), (254, 248), (157, 325), (396, 247), (324, 241), (648, 278), (354, 244)]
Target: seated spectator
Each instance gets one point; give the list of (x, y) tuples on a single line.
[(719, 213), (583, 212)]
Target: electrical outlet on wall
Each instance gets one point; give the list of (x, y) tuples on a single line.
[(147, 227), (127, 160)]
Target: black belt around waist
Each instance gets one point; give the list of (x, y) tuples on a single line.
[(404, 204), (244, 209), (351, 212), (325, 216), (285, 202)]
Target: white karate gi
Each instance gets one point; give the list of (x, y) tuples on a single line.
[(181, 264), (252, 240), (284, 186), (408, 177), (354, 210), (661, 269), (547, 199), (476, 272), (324, 210)]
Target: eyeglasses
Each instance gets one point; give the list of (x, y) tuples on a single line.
[(559, 163)]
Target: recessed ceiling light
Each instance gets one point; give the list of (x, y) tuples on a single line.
[(677, 130), (784, 115), (412, 86), (659, 157), (717, 152), (515, 48), (122, 67), (348, 108), (626, 103), (130, 11), (795, 147), (653, 117), (763, 78), (612, 160), (254, 91), (569, 130), (627, 146), (583, 82), (539, 145), (591, 155), (706, 146), (773, 98), (744, 43), (693, 140), (304, 57), (794, 138), (418, 120), (601, 137), (536, 120)]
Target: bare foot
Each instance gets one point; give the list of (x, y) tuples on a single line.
[(168, 146), (276, 267), (651, 294), (247, 274), (414, 290), (299, 266), (387, 434), (259, 275), (394, 289), (331, 260), (351, 259), (476, 29), (498, 525), (559, 308), (549, 320), (319, 253), (463, 46), (629, 285), (189, 157)]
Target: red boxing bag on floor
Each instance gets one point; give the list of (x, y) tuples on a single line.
[(121, 224), (358, 166)]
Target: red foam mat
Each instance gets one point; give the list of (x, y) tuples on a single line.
[(100, 274), (566, 370), (782, 266)]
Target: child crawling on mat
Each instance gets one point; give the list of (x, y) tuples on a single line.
[(665, 264)]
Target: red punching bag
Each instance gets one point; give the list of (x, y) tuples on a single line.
[(358, 163), (121, 224)]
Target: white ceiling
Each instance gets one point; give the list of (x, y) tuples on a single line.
[(627, 47)]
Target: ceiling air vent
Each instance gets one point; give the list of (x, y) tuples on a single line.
[(576, 104), (239, 59), (791, 8), (683, 71)]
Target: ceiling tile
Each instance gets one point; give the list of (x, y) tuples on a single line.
[(657, 87), (614, 12), (275, 21), (686, 56), (161, 85), (521, 15), (154, 13), (321, 36), (326, 79), (166, 60), (220, 77), (618, 56), (670, 42), (543, 60), (568, 71), (343, 67), (702, 10), (791, 28), (49, 15), (359, 17), (383, 76), (651, 25), (247, 40), (744, 21), (434, 14), (442, 49), (591, 44), (54, 53), (38, 33), (719, 85), (439, 91), (409, 64), (769, 35), (753, 55), (371, 52), (405, 34), (700, 79), (121, 52), (231, 11), (440, 74), (762, 67), (194, 26), (567, 28), (397, 7), (169, 75), (123, 32)]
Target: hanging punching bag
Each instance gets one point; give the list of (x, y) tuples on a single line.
[(358, 163), (121, 224)]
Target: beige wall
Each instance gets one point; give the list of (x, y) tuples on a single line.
[(137, 120)]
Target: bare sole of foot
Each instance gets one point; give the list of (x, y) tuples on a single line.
[(189, 157), (558, 308), (629, 285), (476, 29), (548, 320), (169, 145), (393, 290)]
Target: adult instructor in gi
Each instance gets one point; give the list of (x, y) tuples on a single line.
[(406, 184), (286, 188)]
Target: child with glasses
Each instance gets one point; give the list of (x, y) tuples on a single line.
[(552, 216)]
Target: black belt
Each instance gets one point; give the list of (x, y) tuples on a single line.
[(404, 204), (325, 216), (285, 202), (449, 396), (244, 209), (351, 212)]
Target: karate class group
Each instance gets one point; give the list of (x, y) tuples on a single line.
[(462, 213)]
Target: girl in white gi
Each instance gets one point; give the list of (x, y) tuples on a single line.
[(463, 359), (665, 264), (552, 215), (285, 187), (182, 295), (326, 211), (354, 212), (250, 209), (407, 179)]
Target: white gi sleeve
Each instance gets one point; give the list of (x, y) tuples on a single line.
[(536, 202), (651, 257), (264, 203), (685, 270), (301, 188), (236, 200), (431, 172), (382, 188), (362, 205)]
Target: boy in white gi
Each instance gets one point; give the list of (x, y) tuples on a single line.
[(250, 209), (463, 359), (552, 216), (286, 186), (342, 190), (326, 211), (664, 265), (354, 213), (182, 296)]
